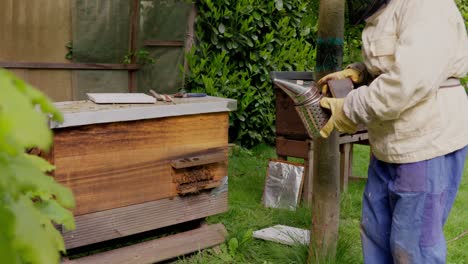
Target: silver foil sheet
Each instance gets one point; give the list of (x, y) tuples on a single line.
[(283, 185)]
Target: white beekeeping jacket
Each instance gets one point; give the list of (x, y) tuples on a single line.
[(413, 47)]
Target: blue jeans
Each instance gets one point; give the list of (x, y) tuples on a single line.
[(405, 207)]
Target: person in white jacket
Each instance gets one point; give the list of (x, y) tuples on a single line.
[(410, 98)]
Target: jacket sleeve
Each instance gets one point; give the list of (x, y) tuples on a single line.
[(424, 47)]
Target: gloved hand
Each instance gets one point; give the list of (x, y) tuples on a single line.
[(354, 75), (338, 119)]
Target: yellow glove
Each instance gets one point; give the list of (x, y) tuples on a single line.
[(354, 75), (338, 119)]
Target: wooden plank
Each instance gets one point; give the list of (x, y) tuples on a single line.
[(132, 76), (179, 137), (160, 249), (358, 137), (164, 43), (356, 178), (198, 160), (119, 164), (120, 222), (307, 192), (132, 81), (55, 84), (292, 148), (68, 66), (346, 161), (190, 34), (35, 30)]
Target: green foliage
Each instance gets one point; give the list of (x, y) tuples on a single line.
[(30, 200), (246, 213), (141, 57), (352, 43), (69, 55), (246, 183), (463, 7), (238, 44), (232, 252), (464, 82)]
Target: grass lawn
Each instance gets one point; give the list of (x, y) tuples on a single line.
[(246, 179)]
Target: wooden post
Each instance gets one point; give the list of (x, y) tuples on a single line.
[(190, 36), (309, 175), (346, 159), (326, 194), (132, 75)]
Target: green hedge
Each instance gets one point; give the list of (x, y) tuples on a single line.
[(238, 42)]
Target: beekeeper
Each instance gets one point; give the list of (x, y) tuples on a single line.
[(410, 98)]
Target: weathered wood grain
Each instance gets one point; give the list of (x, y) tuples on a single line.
[(133, 42), (160, 249), (119, 164), (105, 225), (308, 190), (55, 84), (35, 30), (292, 148), (68, 66), (346, 165), (360, 137), (198, 160), (163, 43)]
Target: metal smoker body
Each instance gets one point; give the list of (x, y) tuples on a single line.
[(306, 98)]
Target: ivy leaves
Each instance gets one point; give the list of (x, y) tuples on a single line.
[(21, 126), (30, 200), (238, 44)]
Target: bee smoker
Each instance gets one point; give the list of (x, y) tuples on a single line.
[(306, 97)]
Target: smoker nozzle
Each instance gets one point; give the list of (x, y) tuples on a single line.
[(306, 98)]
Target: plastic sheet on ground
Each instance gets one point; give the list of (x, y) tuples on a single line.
[(284, 235), (283, 185), (223, 188)]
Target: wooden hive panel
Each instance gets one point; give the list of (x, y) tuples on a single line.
[(124, 163), (35, 31), (38, 31), (56, 84), (105, 225)]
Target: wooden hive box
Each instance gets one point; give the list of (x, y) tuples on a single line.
[(135, 168)]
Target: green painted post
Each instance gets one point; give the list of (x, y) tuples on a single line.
[(326, 184)]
